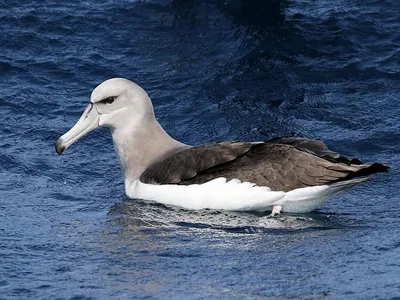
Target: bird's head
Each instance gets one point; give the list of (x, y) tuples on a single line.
[(115, 103)]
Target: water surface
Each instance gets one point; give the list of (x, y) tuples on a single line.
[(246, 70)]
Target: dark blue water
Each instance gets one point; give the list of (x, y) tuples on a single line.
[(215, 70)]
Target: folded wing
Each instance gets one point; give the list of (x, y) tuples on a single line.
[(282, 164)]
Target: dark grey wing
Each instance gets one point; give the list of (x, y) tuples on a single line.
[(279, 166), (186, 164), (316, 147), (284, 167)]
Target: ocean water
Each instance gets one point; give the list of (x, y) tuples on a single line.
[(215, 70)]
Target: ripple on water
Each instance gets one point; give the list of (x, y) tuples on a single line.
[(215, 70), (136, 213)]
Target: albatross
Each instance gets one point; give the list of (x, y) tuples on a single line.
[(286, 174)]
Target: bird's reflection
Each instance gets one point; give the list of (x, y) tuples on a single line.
[(144, 216)]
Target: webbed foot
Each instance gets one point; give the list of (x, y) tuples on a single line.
[(276, 210)]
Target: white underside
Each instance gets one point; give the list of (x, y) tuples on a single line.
[(233, 195)]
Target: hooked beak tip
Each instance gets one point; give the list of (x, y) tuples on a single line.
[(60, 148), (86, 123)]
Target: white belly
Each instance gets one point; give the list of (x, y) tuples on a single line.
[(235, 195)]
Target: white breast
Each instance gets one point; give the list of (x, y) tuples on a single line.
[(233, 195), (215, 194)]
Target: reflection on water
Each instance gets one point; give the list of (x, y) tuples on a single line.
[(215, 70), (138, 215)]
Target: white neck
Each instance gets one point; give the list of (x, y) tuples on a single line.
[(141, 143)]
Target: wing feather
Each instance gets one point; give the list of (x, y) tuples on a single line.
[(281, 164)]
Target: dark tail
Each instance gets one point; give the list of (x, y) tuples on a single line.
[(369, 169)]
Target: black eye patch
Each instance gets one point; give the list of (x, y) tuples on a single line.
[(108, 100)]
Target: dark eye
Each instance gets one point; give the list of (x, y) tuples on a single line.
[(108, 100)]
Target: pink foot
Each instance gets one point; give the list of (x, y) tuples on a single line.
[(276, 210)]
